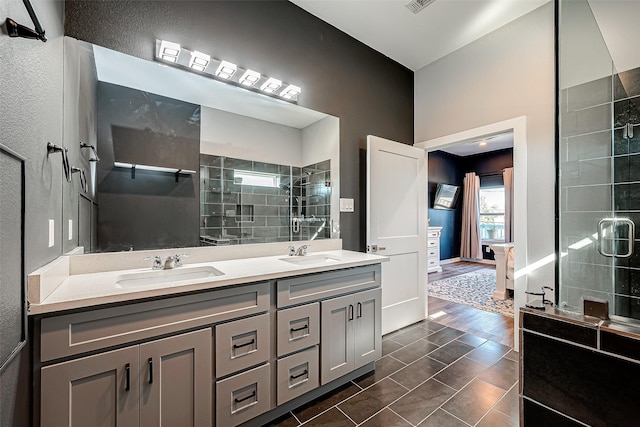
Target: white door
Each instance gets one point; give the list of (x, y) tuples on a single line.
[(397, 228)]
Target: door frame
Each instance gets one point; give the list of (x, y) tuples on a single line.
[(518, 126)]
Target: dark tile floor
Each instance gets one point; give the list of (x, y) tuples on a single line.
[(430, 375)]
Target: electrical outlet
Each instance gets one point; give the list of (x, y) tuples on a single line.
[(52, 233)]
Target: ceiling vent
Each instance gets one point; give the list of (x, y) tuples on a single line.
[(417, 5)]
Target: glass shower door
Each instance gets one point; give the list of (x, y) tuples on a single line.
[(599, 167)]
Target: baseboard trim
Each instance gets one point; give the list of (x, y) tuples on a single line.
[(449, 261)]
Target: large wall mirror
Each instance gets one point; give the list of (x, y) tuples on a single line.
[(183, 160)]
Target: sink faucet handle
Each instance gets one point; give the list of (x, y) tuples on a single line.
[(157, 262), (302, 250), (292, 251), (178, 259)]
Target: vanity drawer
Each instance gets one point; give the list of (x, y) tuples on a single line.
[(242, 343), (77, 333), (432, 243), (244, 396), (433, 234), (432, 253), (298, 328), (432, 261), (314, 287), (298, 374)]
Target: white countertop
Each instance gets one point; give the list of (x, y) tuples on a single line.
[(91, 289)]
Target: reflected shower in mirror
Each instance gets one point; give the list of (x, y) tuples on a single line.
[(188, 161)]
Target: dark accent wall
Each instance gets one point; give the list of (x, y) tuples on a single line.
[(445, 168), (370, 93), (489, 167), (487, 163)]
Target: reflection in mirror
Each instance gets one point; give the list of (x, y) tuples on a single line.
[(186, 160)]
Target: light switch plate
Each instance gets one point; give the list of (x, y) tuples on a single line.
[(346, 205)]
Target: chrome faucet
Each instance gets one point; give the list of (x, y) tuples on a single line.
[(301, 251), (157, 262), (172, 261)]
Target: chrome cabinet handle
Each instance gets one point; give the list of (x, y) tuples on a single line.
[(150, 365)]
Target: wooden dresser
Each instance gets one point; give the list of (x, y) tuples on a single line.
[(433, 249)]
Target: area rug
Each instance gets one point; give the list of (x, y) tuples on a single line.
[(474, 289)]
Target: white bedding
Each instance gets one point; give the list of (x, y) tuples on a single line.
[(510, 263)]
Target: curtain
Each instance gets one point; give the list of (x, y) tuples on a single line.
[(507, 176), (470, 245)]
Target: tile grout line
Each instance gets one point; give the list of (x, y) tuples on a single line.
[(348, 417)]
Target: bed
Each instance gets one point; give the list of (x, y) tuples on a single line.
[(504, 254)]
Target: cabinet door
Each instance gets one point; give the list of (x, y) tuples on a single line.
[(336, 340), (175, 381), (97, 391), (368, 327)]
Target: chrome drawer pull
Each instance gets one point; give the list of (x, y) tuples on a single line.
[(300, 328), (293, 377), (245, 398), (244, 345)]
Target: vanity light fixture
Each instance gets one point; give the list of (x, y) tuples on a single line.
[(249, 78), (271, 85), (226, 69), (290, 92), (199, 60), (169, 51)]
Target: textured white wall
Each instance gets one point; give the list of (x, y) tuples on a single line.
[(506, 74)]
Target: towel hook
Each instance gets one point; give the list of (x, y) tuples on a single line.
[(93, 149), (83, 178), (53, 148)]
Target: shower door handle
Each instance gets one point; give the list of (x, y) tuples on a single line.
[(631, 232)]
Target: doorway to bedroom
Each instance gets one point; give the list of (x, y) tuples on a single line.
[(469, 276), (473, 222)]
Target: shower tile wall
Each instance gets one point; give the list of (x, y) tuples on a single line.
[(600, 178), (231, 213)]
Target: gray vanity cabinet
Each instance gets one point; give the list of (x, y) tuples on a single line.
[(175, 380), (99, 390), (163, 382), (351, 333)]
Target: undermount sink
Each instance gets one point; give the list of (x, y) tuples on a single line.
[(157, 277), (319, 259)]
